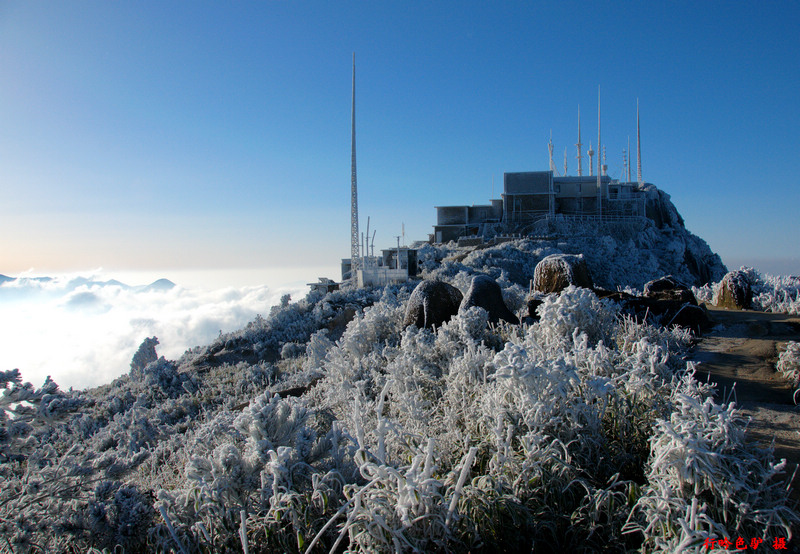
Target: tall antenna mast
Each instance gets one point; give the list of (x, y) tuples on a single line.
[(638, 148), (580, 167), (591, 158), (565, 161), (599, 165), (624, 165), (629, 159), (354, 261), (550, 150)]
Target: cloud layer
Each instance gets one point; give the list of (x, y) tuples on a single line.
[(83, 331)]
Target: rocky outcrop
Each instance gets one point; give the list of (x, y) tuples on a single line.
[(558, 271), (145, 355), (665, 301), (431, 304), (734, 292), (484, 292)]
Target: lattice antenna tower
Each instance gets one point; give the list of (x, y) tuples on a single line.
[(580, 161), (354, 244), (638, 148)]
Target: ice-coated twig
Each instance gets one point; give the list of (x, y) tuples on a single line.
[(465, 468), (243, 531), (339, 512), (171, 529)]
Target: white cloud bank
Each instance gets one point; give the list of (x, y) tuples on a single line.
[(83, 331)]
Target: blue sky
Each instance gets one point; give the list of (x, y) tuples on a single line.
[(177, 135)]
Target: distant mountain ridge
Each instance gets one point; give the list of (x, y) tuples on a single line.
[(75, 282)]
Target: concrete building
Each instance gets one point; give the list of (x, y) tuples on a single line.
[(374, 271), (533, 196)]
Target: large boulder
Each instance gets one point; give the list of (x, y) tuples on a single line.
[(734, 292), (558, 271), (432, 303), (692, 317), (669, 289), (661, 284), (666, 301), (485, 293)]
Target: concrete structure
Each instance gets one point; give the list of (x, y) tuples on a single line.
[(532, 196), (374, 271), (324, 285), (457, 221)]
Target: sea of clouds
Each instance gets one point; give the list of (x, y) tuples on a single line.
[(83, 329)]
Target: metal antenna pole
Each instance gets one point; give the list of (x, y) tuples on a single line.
[(599, 165), (580, 161), (550, 150), (354, 246), (638, 148), (629, 158)]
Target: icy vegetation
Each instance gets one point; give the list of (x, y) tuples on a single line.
[(789, 364), (327, 426), (770, 294), (614, 256)]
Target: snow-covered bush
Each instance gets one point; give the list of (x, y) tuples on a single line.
[(583, 431), (789, 363), (770, 293)]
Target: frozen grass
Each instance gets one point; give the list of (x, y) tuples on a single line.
[(585, 431)]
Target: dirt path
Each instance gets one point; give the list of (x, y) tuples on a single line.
[(742, 350)]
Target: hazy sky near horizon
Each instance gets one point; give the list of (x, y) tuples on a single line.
[(177, 135)]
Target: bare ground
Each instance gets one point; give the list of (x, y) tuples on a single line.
[(739, 355)]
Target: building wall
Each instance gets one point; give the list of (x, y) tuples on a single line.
[(451, 215)]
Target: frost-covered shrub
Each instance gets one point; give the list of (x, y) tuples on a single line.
[(164, 374), (704, 482), (789, 362), (146, 354), (770, 293), (576, 310), (584, 431)]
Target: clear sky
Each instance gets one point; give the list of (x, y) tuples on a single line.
[(211, 135)]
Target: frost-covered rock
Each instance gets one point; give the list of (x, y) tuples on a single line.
[(146, 354), (668, 290), (663, 284), (734, 291), (485, 293), (558, 271), (431, 304), (691, 317)]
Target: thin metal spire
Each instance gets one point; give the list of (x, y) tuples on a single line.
[(580, 166), (599, 165), (590, 153), (629, 159), (550, 150), (354, 238), (638, 148), (565, 161)]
